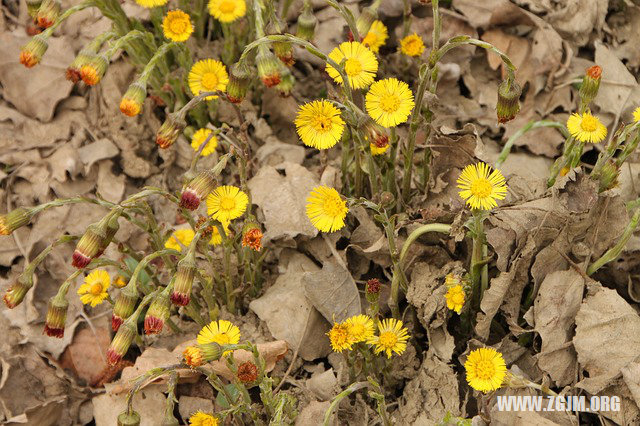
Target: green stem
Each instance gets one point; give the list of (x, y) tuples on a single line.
[(431, 227), (517, 135), (334, 403)]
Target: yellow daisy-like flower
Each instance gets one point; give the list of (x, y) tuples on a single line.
[(208, 75), (151, 3), (389, 102), (455, 298), (319, 124), (376, 36), (586, 128), (481, 187), (339, 337), (216, 238), (412, 45), (636, 115), (198, 139), (176, 26), (485, 369), (227, 10), (360, 64), (226, 203), (94, 289), (222, 332), (392, 337), (179, 238), (203, 419), (326, 209), (360, 328)]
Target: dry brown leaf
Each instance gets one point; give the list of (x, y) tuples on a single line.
[(85, 356), (332, 291)]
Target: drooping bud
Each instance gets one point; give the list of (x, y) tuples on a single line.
[(133, 98), (590, 86), (247, 373), (508, 101), (48, 13), (608, 176), (195, 356), (33, 6), (197, 190), (124, 306), (73, 70), (168, 133), (31, 53), (284, 52), (376, 135), (112, 228), (92, 72), (18, 290), (366, 18), (157, 314), (129, 419), (286, 84), (15, 219), (181, 294), (268, 67), (307, 22), (89, 245), (56, 316), (121, 341), (238, 83), (252, 236), (372, 291)]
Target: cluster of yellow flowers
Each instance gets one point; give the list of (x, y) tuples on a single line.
[(391, 338)]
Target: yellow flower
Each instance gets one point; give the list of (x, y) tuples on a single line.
[(151, 3), (216, 238), (481, 187), (339, 337), (199, 138), (221, 332), (203, 419), (94, 289), (586, 128), (375, 150), (179, 238), (392, 337), (412, 45), (208, 75), (176, 26), (636, 115), (226, 203), (389, 102), (326, 209), (319, 124), (192, 356), (485, 369), (360, 65), (455, 298), (227, 10), (376, 36), (360, 328), (120, 281)]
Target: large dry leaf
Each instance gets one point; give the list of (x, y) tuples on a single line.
[(85, 356), (148, 403), (333, 292)]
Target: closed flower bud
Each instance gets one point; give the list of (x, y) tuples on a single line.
[(48, 13), (387, 199), (129, 419), (133, 98), (590, 86), (247, 373), (112, 228), (197, 190), (608, 176), (195, 356), (181, 294), (284, 52), (307, 22), (168, 133), (121, 341), (366, 18), (124, 306), (268, 67), (92, 72), (372, 291), (15, 219), (157, 314), (252, 237), (89, 245), (31, 53), (286, 84), (73, 70), (33, 6), (508, 101), (375, 134), (18, 290), (56, 317), (238, 83)]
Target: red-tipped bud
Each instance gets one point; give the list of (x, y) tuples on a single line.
[(121, 342), (56, 317), (124, 306), (168, 133), (376, 135), (372, 292), (157, 314), (181, 294), (92, 72), (48, 13), (18, 290), (198, 189), (15, 219), (590, 86), (112, 228), (238, 83), (284, 52), (268, 67), (133, 98), (31, 53), (33, 6), (508, 104), (73, 70), (89, 245)]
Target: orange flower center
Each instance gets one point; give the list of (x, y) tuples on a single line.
[(178, 26), (96, 289), (227, 7), (388, 339), (485, 369), (352, 67), (589, 123), (210, 81), (481, 188)]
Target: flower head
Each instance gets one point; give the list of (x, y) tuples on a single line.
[(238, 83), (18, 290), (339, 337), (319, 124), (93, 71), (226, 203), (208, 75), (197, 189), (170, 129), (485, 369), (89, 245), (326, 209), (48, 13), (124, 306), (203, 419), (132, 100), (389, 102), (31, 53), (177, 26), (247, 372), (636, 115), (586, 128), (199, 354), (179, 238), (508, 105), (268, 67), (252, 238), (412, 45), (14, 219), (198, 139), (481, 187), (307, 22), (392, 337), (121, 341), (360, 328), (94, 289), (151, 3), (227, 10), (192, 356), (360, 64), (455, 298), (221, 332), (157, 314), (120, 281), (56, 317), (185, 274), (376, 36)]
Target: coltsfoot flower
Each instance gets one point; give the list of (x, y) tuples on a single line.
[(247, 372), (157, 314), (508, 105), (216, 238), (208, 75), (389, 102), (179, 238), (124, 306), (307, 22), (92, 72), (48, 13), (198, 139), (226, 203), (15, 219), (185, 274), (222, 332), (590, 85), (455, 298), (133, 98), (485, 369), (252, 237), (326, 209), (586, 128), (121, 341), (94, 290), (31, 53), (319, 124), (376, 36), (378, 150), (89, 245), (227, 10), (18, 290), (176, 26), (481, 187), (412, 45), (360, 328), (169, 131), (238, 83), (392, 337), (339, 337), (203, 419), (360, 64), (268, 67)]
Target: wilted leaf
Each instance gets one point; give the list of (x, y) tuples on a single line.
[(333, 292)]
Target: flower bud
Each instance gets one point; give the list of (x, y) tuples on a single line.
[(286, 84), (366, 18), (268, 67), (372, 291), (15, 219), (124, 306), (31, 53), (252, 237), (121, 341), (608, 175), (133, 98), (168, 133), (129, 419), (376, 135), (284, 52), (112, 228), (48, 13), (195, 356), (247, 373), (92, 72), (197, 190), (73, 70), (18, 290), (89, 245), (238, 83), (56, 317), (33, 6), (590, 86), (157, 314), (181, 294), (307, 22), (387, 199), (508, 101)]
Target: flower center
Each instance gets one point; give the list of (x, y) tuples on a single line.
[(458, 298), (178, 26), (357, 330), (589, 123), (96, 289), (321, 123), (352, 67), (481, 188), (227, 203), (388, 339), (222, 339), (390, 103), (209, 81), (333, 207), (340, 336), (485, 369), (227, 7)]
